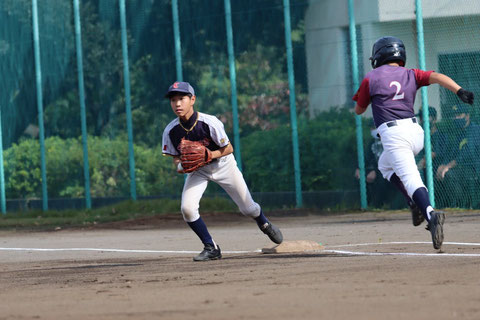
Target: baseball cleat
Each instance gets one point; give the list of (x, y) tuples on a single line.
[(417, 216), (272, 232), (435, 226), (209, 253)]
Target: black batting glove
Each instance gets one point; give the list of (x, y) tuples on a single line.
[(465, 95)]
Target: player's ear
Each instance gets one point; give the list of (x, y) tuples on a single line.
[(193, 98)]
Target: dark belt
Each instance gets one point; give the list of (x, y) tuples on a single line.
[(394, 122)]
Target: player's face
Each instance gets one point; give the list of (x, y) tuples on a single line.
[(182, 106)]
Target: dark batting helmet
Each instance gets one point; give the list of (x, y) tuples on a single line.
[(388, 49)]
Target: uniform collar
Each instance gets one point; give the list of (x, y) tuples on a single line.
[(190, 122)]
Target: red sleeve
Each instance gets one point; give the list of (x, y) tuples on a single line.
[(363, 94), (422, 77)]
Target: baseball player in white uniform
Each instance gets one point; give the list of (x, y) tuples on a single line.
[(207, 129), (391, 89)]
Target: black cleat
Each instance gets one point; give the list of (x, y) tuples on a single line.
[(435, 226), (417, 216), (272, 232), (209, 253)]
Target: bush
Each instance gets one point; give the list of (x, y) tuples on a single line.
[(109, 169), (328, 155), (328, 158)]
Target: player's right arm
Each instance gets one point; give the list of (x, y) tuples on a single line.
[(178, 164), (444, 80), (448, 83), (176, 160), (169, 149)]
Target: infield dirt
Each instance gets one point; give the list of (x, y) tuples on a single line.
[(82, 284)]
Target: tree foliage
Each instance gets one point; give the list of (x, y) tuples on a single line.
[(267, 157), (324, 143), (262, 86), (109, 169)]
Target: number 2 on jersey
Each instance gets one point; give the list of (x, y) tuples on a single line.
[(398, 95)]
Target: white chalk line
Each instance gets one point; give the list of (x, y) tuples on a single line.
[(114, 250), (400, 242), (353, 253), (411, 254)]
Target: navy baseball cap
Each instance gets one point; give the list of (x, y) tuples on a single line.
[(177, 86)]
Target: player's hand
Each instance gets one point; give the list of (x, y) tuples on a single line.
[(465, 95), (180, 168)]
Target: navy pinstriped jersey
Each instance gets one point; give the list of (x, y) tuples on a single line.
[(200, 127)]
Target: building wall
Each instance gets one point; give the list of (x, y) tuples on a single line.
[(447, 29)]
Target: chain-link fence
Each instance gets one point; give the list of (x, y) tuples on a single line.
[(451, 47), (122, 94)]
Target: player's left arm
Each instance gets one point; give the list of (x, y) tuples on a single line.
[(362, 97), (448, 83), (359, 110), (222, 151), (219, 136)]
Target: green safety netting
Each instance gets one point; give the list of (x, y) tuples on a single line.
[(323, 90)]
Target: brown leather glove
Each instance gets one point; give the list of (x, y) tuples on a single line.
[(193, 155)]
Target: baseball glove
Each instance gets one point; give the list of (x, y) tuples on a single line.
[(193, 155)]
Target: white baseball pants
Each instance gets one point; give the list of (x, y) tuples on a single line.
[(225, 172), (401, 143)]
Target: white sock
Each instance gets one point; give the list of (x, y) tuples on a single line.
[(429, 210)]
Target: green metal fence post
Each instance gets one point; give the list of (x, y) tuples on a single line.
[(358, 119), (81, 90), (2, 173), (126, 80), (233, 83), (176, 35), (426, 124), (293, 112), (38, 78)]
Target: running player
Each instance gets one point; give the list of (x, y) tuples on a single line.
[(391, 89), (197, 126)]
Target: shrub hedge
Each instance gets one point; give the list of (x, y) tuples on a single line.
[(328, 159)]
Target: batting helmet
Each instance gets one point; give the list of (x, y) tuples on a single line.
[(388, 49)]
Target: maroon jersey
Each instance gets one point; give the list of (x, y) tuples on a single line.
[(391, 90)]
